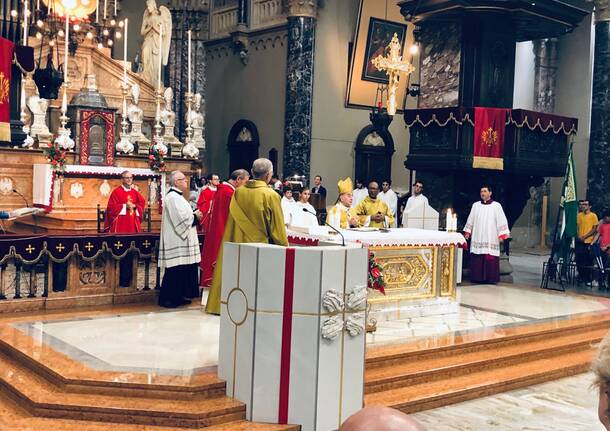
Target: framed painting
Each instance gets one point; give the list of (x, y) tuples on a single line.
[(378, 38)]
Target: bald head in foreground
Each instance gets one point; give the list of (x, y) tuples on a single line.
[(377, 418)]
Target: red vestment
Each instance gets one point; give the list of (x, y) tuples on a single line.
[(130, 220), (213, 236), (204, 204)]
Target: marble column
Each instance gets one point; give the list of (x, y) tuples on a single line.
[(299, 86), (598, 180)]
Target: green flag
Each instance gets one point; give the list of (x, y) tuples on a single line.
[(569, 202)]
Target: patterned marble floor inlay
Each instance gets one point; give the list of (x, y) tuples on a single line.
[(568, 404)]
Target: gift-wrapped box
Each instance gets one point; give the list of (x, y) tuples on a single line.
[(292, 332)]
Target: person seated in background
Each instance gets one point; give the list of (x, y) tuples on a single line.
[(287, 203), (601, 369), (374, 212), (299, 217), (342, 216), (379, 418)]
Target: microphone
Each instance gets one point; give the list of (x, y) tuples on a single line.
[(22, 197), (332, 227)]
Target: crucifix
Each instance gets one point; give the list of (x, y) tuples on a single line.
[(393, 65)]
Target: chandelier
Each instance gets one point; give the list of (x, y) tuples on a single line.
[(94, 20)]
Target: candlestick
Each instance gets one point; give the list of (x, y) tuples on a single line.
[(160, 55), (67, 35), (189, 150), (25, 23), (63, 139), (125, 52), (189, 63), (105, 6)]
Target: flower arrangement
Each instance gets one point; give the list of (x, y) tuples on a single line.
[(56, 157), (156, 157), (375, 279)]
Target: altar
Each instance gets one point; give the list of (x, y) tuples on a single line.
[(421, 268)]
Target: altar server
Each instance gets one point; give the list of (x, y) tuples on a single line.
[(299, 217), (374, 212), (125, 208), (220, 213), (390, 198), (487, 226), (417, 197), (360, 192), (255, 215), (342, 215), (206, 197), (179, 252), (287, 203)]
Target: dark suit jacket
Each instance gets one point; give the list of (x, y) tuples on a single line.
[(321, 190)]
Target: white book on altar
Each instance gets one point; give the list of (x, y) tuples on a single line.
[(292, 332), (421, 217)]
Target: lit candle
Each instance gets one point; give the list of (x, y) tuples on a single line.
[(25, 24), (189, 62), (448, 220), (115, 5), (455, 222), (105, 6), (160, 54), (125, 53)]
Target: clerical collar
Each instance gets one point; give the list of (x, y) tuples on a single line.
[(175, 190), (486, 203), (125, 188)]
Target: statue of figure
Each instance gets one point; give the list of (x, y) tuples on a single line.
[(168, 119), (197, 123), (374, 140), (135, 115), (154, 19), (39, 108), (245, 135)]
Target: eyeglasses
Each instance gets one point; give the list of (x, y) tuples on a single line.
[(127, 178)]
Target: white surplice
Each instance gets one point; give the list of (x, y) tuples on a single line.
[(300, 218), (486, 224), (287, 205), (391, 199), (358, 196)]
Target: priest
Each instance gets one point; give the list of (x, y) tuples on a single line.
[(374, 212), (179, 252), (124, 214), (204, 202), (255, 215), (487, 227), (220, 213), (342, 215)]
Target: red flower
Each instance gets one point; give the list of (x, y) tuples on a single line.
[(151, 157), (375, 273), (54, 162)]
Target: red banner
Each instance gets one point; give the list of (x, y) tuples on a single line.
[(489, 127), (6, 61)]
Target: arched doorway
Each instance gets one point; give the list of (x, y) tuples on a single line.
[(374, 150), (243, 145)]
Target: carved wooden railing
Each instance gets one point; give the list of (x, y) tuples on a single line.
[(263, 14), (79, 270), (266, 13), (223, 21)]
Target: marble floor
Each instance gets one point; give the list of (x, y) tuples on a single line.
[(569, 404)]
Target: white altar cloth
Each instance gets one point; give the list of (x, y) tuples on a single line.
[(396, 237)]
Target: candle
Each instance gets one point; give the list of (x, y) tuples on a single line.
[(115, 5), (189, 62), (160, 55), (125, 53), (67, 35), (105, 6), (97, 11), (25, 24), (448, 220), (455, 222)]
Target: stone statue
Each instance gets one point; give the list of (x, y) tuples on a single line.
[(197, 122), (244, 135), (39, 108), (168, 119), (135, 115), (154, 19)]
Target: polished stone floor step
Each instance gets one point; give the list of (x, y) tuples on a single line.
[(427, 369), (15, 418), (42, 398), (428, 395)]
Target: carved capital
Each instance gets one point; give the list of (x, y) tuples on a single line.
[(602, 10), (306, 8)]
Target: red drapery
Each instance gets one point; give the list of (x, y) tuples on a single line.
[(489, 127), (7, 49)]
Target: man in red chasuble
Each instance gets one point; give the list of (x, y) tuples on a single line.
[(218, 220), (206, 197), (124, 215)]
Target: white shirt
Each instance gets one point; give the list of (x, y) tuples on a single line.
[(391, 200), (486, 223), (287, 205), (359, 195), (414, 201), (300, 218)]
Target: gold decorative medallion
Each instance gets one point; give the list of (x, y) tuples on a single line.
[(489, 136), (5, 87)]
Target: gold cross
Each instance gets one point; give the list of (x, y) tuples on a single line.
[(393, 65), (89, 246), (60, 247), (118, 244), (146, 243), (30, 249)]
